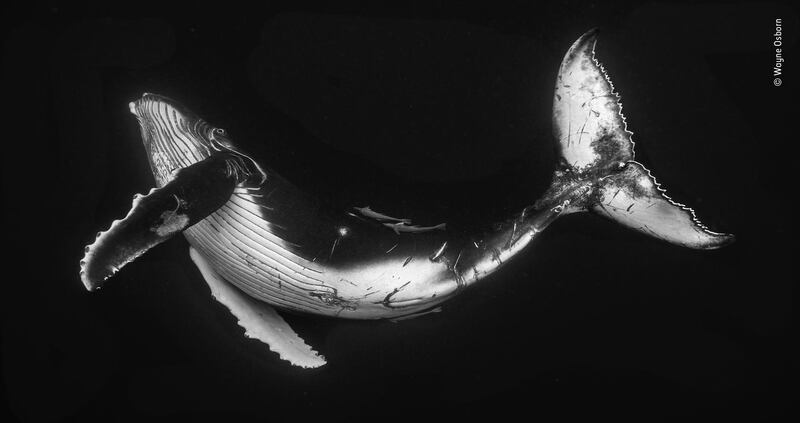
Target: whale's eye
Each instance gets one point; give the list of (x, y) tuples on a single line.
[(219, 131)]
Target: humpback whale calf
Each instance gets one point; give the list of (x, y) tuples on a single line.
[(263, 245)]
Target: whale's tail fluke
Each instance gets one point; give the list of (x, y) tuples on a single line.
[(597, 171)]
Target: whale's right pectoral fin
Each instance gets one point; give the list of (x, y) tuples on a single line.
[(259, 320)]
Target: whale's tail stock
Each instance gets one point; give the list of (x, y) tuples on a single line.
[(597, 171)]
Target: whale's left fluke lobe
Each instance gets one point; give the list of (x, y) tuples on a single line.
[(597, 170)]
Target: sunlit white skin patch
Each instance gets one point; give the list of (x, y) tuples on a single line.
[(383, 286), (171, 222)]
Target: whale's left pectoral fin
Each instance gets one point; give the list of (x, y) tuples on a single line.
[(259, 320), (194, 192)]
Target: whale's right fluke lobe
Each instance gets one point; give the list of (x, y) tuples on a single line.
[(597, 171), (633, 198)]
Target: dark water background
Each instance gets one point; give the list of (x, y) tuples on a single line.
[(430, 113)]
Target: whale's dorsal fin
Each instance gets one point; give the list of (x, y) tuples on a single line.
[(598, 171), (259, 320)]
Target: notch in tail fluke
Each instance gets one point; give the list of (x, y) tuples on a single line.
[(597, 169)]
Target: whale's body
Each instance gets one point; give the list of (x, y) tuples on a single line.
[(260, 242), (346, 263)]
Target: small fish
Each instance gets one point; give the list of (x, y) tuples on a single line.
[(403, 227), (368, 212)]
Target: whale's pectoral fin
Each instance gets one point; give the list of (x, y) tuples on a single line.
[(195, 192), (597, 171), (259, 320)]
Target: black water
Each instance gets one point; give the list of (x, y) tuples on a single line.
[(437, 114)]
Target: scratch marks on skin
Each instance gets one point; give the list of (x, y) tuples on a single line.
[(458, 258), (580, 134), (348, 281), (613, 197), (387, 301), (333, 248), (408, 260), (333, 299), (650, 231), (437, 255), (393, 247), (519, 228), (513, 237), (460, 283), (615, 208), (475, 272), (415, 315), (251, 261), (341, 232), (496, 256), (569, 118)]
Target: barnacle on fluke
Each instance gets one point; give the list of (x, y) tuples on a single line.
[(240, 219)]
